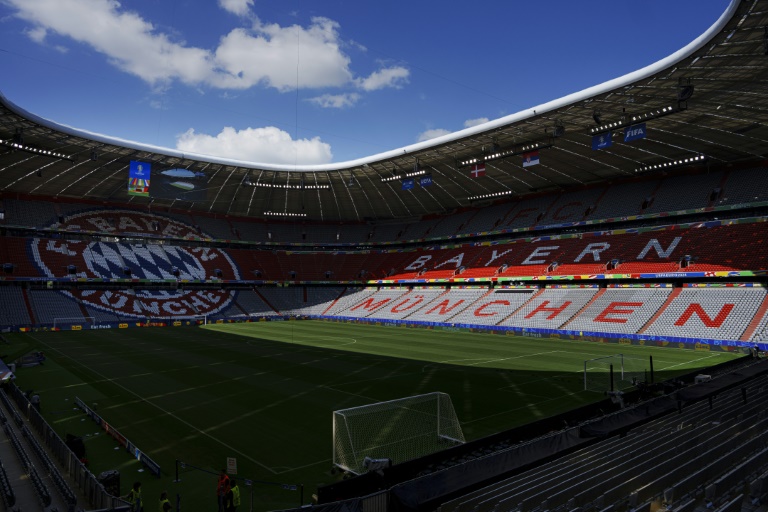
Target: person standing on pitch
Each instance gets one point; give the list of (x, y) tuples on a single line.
[(233, 498), (222, 489), (165, 504), (134, 497)]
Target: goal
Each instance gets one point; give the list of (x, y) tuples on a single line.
[(627, 372), (394, 431), (69, 322)]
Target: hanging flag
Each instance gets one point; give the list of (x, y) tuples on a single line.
[(477, 170), (407, 183), (531, 158), (138, 178), (634, 132), (602, 140), (425, 181)]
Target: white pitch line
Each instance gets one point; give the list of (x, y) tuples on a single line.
[(141, 398), (486, 361), (691, 361)]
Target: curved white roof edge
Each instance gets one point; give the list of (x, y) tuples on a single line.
[(584, 94)]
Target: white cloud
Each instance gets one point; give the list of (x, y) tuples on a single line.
[(131, 43), (37, 34), (238, 7), (388, 77), (268, 144), (336, 100), (469, 123), (265, 54), (268, 54), (431, 134)]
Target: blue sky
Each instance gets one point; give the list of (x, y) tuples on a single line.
[(312, 82)]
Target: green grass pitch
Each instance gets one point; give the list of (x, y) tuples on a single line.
[(264, 392)]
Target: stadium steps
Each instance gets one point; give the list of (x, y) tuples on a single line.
[(241, 308), (263, 298), (509, 493), (672, 296), (334, 301), (533, 296), (721, 186), (24, 487), (668, 435), (652, 197), (704, 453), (596, 203), (82, 307), (28, 304), (709, 464), (589, 303), (755, 322), (581, 485)]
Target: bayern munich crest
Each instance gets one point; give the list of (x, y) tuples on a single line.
[(112, 258)]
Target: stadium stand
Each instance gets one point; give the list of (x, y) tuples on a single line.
[(698, 189), (552, 308), (623, 199), (12, 309), (449, 304), (720, 313)]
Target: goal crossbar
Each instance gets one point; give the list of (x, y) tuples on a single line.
[(74, 320), (394, 430)]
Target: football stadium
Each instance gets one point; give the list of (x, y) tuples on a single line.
[(563, 309)]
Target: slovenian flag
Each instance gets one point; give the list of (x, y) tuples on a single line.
[(531, 158), (477, 170)]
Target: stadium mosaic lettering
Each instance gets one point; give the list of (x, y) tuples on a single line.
[(113, 259)]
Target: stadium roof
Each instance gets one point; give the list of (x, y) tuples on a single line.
[(704, 105)]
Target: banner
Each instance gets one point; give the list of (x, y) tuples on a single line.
[(531, 158), (408, 183), (602, 141), (634, 132), (425, 181), (477, 170), (138, 178)]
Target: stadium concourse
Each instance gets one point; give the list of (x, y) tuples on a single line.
[(643, 221)]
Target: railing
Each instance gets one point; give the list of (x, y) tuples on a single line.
[(78, 474)]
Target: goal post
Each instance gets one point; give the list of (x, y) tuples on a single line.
[(394, 431), (627, 372), (58, 322)]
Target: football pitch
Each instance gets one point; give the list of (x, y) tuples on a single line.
[(263, 393)]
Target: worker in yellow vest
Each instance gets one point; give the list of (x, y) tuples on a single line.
[(233, 499), (165, 504), (134, 497)]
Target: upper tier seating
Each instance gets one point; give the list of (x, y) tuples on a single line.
[(697, 248), (672, 193)]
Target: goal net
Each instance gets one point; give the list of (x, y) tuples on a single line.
[(627, 372), (68, 322), (394, 431)]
